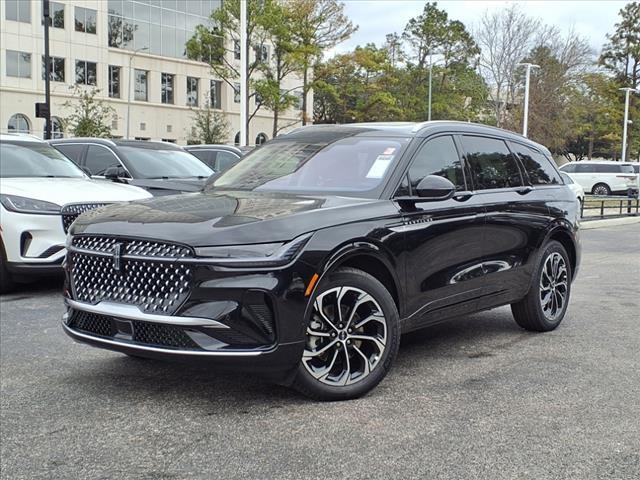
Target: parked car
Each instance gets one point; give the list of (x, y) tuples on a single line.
[(602, 177), (575, 188), (217, 157), (41, 194), (159, 167), (308, 268)]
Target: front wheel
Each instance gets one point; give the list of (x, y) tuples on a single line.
[(352, 337), (546, 303)]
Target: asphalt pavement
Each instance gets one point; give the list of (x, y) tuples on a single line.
[(475, 398)]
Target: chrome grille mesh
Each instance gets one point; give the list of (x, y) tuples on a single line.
[(154, 286), (71, 212)]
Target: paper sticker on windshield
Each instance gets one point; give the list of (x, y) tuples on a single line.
[(380, 166)]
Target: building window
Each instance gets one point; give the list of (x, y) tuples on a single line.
[(18, 10), (236, 93), (141, 77), (192, 91), (262, 53), (258, 98), (167, 80), (299, 98), (56, 69), (170, 140), (56, 128), (19, 123), (18, 64), (56, 13), (85, 20), (86, 72), (236, 49), (114, 81), (216, 94), (261, 138)]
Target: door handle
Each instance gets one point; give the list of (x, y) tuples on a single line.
[(463, 195), (524, 190)]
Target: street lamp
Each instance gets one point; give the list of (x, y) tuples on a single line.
[(525, 122), (431, 63), (135, 52), (627, 90)]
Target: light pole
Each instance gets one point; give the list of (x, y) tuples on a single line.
[(430, 75), (131, 85), (627, 91), (243, 73), (525, 123)]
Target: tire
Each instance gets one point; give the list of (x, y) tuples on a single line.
[(538, 311), (346, 360), (601, 189), (6, 281)]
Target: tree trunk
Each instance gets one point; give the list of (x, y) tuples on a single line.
[(276, 111), (590, 153), (305, 81)]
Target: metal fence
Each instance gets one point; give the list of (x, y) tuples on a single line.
[(596, 207)]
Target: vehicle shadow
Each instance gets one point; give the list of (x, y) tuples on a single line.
[(471, 337), (43, 285)]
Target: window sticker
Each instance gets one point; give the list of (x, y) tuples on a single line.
[(380, 166)]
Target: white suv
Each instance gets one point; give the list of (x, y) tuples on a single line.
[(602, 177), (41, 194)]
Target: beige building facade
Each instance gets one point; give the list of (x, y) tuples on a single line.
[(133, 52)]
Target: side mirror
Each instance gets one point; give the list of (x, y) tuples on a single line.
[(434, 187), (115, 173)]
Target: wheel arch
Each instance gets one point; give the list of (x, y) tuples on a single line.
[(369, 258), (562, 235)]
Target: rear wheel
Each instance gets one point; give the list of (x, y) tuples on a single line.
[(352, 337), (601, 189), (546, 303)]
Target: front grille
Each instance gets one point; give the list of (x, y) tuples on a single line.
[(92, 323), (155, 286), (72, 211), (152, 334), (164, 335)]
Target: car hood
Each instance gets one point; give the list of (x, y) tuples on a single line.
[(168, 186), (71, 190), (228, 218)]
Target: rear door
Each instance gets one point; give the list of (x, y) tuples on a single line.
[(74, 151), (443, 239), (517, 214)]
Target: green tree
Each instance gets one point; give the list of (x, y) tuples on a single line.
[(621, 56), (317, 26), (90, 117), (210, 126)]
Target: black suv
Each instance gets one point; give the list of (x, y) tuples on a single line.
[(309, 258), (159, 167)]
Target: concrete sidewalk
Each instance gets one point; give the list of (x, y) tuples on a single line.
[(608, 222)]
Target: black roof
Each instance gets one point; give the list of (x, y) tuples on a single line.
[(331, 132)]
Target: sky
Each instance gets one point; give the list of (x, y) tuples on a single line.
[(592, 19)]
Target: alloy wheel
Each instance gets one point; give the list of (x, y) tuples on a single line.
[(600, 190), (553, 286), (346, 337)]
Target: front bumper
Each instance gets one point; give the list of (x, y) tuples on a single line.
[(222, 322)]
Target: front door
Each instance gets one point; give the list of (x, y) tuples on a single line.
[(443, 239)]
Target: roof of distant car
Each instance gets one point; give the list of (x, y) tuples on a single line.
[(19, 137), (119, 142)]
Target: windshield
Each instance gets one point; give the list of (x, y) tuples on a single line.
[(34, 159), (347, 166), (567, 179), (152, 163)]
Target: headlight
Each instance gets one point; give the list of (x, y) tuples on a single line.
[(17, 204), (255, 255)]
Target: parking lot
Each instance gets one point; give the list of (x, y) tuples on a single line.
[(473, 398)]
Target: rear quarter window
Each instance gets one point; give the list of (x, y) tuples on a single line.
[(72, 151), (537, 166)]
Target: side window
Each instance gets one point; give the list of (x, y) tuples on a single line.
[(538, 167), (73, 151), (606, 168), (491, 163), (438, 156), (99, 159), (569, 168), (225, 160), (585, 168), (206, 156)]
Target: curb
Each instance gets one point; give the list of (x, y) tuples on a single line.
[(609, 222)]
